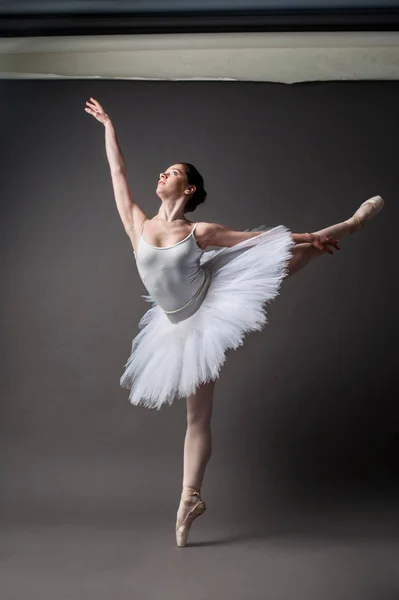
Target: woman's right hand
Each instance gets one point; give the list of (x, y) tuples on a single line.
[(94, 108)]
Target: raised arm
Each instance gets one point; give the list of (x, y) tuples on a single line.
[(130, 213), (212, 234)]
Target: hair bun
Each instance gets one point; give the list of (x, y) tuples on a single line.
[(194, 177)]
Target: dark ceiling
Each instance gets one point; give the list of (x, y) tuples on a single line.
[(198, 6), (110, 17)]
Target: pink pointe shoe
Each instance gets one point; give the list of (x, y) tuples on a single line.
[(187, 512), (367, 211)]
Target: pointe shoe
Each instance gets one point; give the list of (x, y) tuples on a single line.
[(367, 211), (190, 509)]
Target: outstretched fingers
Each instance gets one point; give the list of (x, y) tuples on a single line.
[(92, 106), (325, 243), (95, 109), (329, 241), (96, 104)]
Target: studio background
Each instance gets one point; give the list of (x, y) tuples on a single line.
[(305, 419)]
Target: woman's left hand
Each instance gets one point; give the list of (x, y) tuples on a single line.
[(321, 242)]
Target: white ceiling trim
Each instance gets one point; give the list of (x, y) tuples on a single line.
[(274, 57)]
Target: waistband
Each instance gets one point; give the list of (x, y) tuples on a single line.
[(191, 307)]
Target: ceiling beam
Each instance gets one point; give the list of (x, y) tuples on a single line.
[(275, 57)]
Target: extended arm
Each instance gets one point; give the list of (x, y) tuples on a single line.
[(130, 213), (217, 235)]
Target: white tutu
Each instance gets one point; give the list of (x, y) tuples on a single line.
[(169, 361)]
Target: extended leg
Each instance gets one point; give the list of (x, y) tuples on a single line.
[(304, 253), (197, 452)]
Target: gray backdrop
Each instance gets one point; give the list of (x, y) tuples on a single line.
[(301, 487)]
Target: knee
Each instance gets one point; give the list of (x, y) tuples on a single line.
[(198, 422)]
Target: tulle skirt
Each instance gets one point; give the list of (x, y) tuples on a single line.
[(170, 360)]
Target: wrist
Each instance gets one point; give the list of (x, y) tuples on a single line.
[(108, 123), (298, 238)]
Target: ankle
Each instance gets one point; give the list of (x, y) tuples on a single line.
[(188, 492), (353, 224)]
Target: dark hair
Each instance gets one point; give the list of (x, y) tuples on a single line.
[(194, 178)]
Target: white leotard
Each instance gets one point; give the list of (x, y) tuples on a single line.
[(173, 275)]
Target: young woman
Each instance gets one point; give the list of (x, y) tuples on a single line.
[(203, 302)]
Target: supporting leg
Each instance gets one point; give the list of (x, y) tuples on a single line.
[(197, 452), (198, 440)]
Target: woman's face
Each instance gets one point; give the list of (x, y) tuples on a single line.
[(173, 183)]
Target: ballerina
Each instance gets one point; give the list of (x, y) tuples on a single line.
[(208, 287)]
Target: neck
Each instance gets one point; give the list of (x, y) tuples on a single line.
[(172, 210)]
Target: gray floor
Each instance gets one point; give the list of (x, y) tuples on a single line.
[(345, 557)]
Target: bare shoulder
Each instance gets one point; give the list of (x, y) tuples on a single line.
[(205, 233)]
